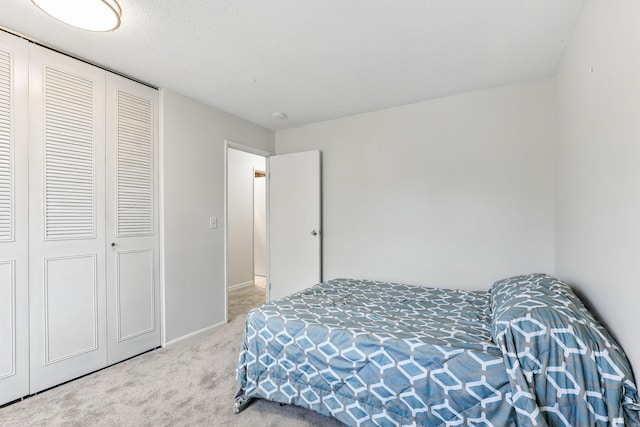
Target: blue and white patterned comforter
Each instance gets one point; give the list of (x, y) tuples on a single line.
[(565, 369), (372, 353)]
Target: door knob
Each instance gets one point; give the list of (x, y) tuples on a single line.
[(113, 244), (314, 232)]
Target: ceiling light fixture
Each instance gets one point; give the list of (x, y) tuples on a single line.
[(279, 116), (92, 15)]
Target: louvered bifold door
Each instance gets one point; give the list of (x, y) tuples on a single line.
[(133, 297), (14, 193), (66, 229)]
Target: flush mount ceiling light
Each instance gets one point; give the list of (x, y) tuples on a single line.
[(279, 116), (92, 15)]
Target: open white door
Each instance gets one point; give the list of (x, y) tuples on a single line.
[(294, 223)]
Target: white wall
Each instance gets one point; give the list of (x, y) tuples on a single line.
[(454, 192), (193, 138), (240, 215), (598, 237), (260, 230)]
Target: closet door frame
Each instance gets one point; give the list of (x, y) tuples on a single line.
[(14, 239)]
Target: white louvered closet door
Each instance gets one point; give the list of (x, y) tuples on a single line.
[(133, 297), (67, 211), (14, 193)]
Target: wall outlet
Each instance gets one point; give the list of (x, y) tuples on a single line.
[(213, 222)]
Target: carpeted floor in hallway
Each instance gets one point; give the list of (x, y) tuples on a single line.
[(244, 299), (189, 383)]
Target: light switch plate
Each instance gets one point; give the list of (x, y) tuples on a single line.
[(213, 222)]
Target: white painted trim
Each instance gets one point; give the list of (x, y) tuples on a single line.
[(240, 286), (247, 148), (253, 222), (163, 326), (192, 334), (267, 255), (226, 232)]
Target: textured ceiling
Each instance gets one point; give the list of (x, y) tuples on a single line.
[(317, 59)]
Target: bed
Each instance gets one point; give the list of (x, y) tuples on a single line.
[(527, 352)]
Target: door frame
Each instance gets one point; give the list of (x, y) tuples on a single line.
[(251, 150)]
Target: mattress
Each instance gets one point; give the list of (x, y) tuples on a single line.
[(375, 354)]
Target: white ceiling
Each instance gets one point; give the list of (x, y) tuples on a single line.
[(317, 59)]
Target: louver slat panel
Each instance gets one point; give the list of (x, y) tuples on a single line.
[(134, 181), (6, 149), (70, 205)]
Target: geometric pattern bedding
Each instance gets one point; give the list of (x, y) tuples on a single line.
[(376, 354), (564, 367)]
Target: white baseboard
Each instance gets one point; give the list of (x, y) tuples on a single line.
[(240, 285), (184, 337)]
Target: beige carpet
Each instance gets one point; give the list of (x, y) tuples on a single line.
[(190, 383), (244, 299)]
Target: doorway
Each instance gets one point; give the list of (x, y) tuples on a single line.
[(246, 248)]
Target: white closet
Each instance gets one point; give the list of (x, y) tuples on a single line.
[(93, 296), (67, 274), (133, 294), (14, 292)]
